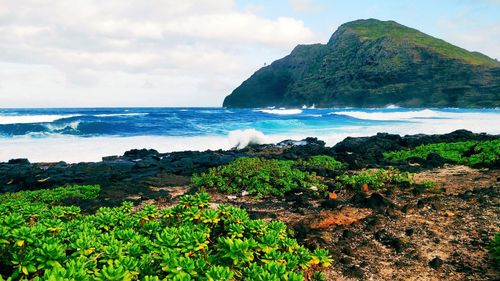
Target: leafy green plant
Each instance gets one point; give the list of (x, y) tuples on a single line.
[(189, 241), (322, 165), (494, 248), (321, 162), (467, 152), (375, 179), (51, 196), (257, 176)]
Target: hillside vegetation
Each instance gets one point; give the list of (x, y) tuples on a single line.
[(372, 63)]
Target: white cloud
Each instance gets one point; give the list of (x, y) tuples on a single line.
[(104, 45), (304, 5)]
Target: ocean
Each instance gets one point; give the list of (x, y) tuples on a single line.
[(87, 134)]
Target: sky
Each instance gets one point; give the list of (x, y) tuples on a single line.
[(166, 53)]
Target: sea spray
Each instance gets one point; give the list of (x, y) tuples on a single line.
[(282, 111), (242, 138)]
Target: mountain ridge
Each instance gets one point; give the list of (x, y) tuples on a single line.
[(372, 63)]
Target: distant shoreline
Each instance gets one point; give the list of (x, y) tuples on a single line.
[(87, 135)]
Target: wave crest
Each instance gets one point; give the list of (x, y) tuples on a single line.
[(28, 119), (282, 111), (242, 138), (390, 116), (120, 114)]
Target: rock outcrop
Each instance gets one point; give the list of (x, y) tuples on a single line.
[(372, 63)]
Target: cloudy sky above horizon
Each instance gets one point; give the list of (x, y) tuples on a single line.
[(88, 53)]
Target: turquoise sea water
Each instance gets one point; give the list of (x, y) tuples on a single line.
[(76, 135)]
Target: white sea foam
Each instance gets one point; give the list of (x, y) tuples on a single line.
[(76, 149), (73, 149), (73, 125), (120, 114), (446, 120), (386, 116), (242, 138), (392, 106), (26, 119), (282, 111)]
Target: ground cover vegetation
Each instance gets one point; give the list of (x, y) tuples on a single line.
[(469, 153), (495, 249), (257, 176), (42, 240), (262, 177), (375, 179)]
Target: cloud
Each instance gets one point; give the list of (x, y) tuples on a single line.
[(304, 6), (90, 43)]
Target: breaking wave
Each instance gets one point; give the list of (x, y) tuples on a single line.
[(73, 135), (282, 111), (120, 114), (391, 116), (242, 138), (27, 119)]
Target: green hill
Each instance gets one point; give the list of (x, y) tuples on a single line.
[(374, 63)]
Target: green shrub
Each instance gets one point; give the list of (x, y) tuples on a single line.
[(375, 179), (495, 248), (189, 241), (257, 176), (483, 152), (321, 162), (54, 195)]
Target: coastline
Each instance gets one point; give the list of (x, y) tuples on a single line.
[(416, 232), (87, 135), (135, 164)]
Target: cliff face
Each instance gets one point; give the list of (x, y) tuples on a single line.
[(371, 63)]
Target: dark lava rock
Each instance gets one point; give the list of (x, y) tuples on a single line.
[(129, 170), (458, 135), (368, 151), (436, 263), (354, 271), (435, 160), (347, 234), (389, 240), (409, 231), (345, 260), (331, 203), (307, 148), (371, 222), (420, 204), (466, 195), (378, 201), (375, 201), (418, 190), (139, 153), (438, 206), (406, 208), (148, 162)]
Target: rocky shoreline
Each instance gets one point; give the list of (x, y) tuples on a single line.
[(393, 234), (136, 165)]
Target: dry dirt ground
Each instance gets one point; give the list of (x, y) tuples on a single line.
[(393, 235)]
